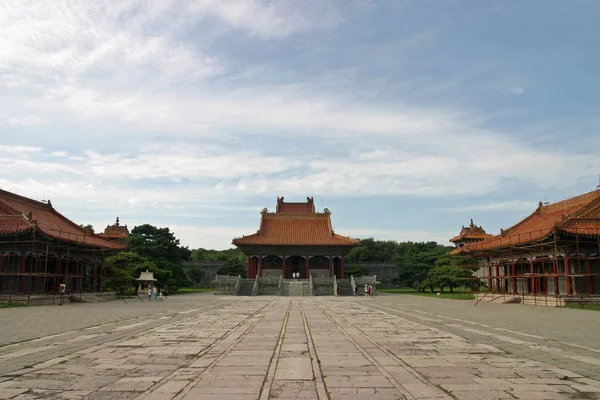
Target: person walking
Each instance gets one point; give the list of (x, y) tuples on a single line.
[(149, 293), (154, 294), (366, 290), (166, 292)]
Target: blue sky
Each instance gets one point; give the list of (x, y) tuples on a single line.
[(404, 118)]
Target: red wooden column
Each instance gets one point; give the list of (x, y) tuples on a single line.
[(283, 267), (490, 282), (342, 267), (21, 272), (1, 269), (514, 277), (260, 266), (330, 266), (307, 269), (532, 279), (498, 286), (34, 270), (588, 271), (568, 279), (555, 273)]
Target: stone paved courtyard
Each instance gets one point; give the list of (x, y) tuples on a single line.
[(212, 347)]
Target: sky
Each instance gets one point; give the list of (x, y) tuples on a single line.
[(405, 118)]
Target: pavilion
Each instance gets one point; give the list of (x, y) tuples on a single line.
[(295, 239)]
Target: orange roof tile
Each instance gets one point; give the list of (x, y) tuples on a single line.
[(579, 215), (471, 232), (20, 214), (115, 231), (296, 229), (296, 208)]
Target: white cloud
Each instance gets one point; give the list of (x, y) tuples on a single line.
[(20, 149), (517, 90), (511, 205)]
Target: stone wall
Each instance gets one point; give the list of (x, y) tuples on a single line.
[(209, 268), (268, 286), (386, 273)]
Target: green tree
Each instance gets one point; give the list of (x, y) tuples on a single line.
[(160, 246), (217, 255), (196, 274), (88, 228), (123, 269), (450, 271), (233, 267), (357, 270)]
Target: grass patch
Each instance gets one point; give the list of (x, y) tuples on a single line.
[(188, 290), (457, 295), (595, 307), (6, 304)]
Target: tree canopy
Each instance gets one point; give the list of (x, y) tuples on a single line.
[(161, 247), (88, 228), (123, 269)]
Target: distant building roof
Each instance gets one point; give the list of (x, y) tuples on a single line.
[(296, 224), (19, 215), (579, 215), (115, 231), (471, 233)]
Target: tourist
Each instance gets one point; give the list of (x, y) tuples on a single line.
[(166, 292), (149, 293), (366, 290), (160, 297), (355, 290), (154, 294)]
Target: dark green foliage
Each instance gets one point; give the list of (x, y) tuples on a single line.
[(160, 246), (88, 228), (195, 274), (123, 269), (233, 267), (356, 271), (414, 259), (449, 271), (217, 255)]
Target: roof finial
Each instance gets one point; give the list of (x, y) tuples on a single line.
[(117, 223), (471, 224)]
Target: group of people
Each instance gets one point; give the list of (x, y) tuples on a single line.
[(155, 295), (368, 290)]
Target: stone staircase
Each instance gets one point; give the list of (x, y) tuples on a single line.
[(246, 287), (298, 287), (345, 287)]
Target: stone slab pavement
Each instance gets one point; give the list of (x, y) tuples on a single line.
[(213, 347)]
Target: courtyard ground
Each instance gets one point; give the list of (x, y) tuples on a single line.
[(202, 346)]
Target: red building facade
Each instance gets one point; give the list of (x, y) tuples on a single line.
[(40, 249), (555, 251), (295, 239)]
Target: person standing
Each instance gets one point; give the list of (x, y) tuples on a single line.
[(166, 292), (149, 293), (154, 294)]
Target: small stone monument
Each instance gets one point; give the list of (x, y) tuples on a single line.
[(146, 280)]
